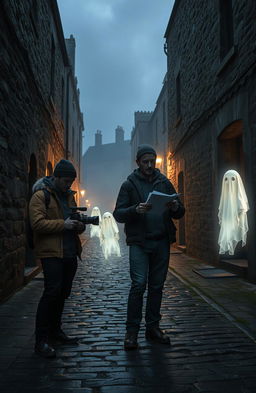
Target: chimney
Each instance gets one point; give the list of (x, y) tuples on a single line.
[(119, 134), (98, 138)]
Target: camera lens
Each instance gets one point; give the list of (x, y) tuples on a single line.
[(94, 220)]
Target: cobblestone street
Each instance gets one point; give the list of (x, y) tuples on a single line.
[(208, 353)]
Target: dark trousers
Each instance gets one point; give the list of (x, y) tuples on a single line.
[(148, 265), (58, 277)]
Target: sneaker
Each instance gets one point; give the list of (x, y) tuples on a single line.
[(157, 335), (130, 341), (42, 348)]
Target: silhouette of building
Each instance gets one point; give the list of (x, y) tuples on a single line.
[(152, 128), (105, 167)]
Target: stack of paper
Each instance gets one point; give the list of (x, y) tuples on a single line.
[(158, 200)]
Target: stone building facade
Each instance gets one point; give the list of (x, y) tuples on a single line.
[(34, 109), (212, 115), (152, 128), (140, 134), (74, 124), (159, 129), (105, 167)]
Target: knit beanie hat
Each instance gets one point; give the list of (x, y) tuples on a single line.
[(144, 149), (64, 168)]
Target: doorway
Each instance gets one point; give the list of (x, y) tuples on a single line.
[(49, 169), (230, 149), (182, 231), (231, 156)]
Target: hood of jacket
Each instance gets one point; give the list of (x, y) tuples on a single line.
[(136, 178), (47, 182)]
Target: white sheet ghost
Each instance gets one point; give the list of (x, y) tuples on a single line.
[(232, 214), (109, 236), (95, 229)]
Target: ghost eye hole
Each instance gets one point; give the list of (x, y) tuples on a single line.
[(226, 179), (233, 179)]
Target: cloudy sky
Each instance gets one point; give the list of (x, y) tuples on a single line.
[(120, 62)]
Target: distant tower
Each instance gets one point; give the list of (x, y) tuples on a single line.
[(98, 138), (71, 49), (119, 134)]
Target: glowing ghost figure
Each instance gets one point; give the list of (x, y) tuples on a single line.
[(109, 236), (232, 213), (95, 229)]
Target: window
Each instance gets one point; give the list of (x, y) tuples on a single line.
[(178, 101), (226, 27), (73, 141), (52, 87), (164, 118), (49, 169), (156, 132), (62, 97)]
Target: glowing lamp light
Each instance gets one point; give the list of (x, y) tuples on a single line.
[(82, 192), (87, 200), (159, 161)]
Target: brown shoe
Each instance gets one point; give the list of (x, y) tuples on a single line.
[(157, 335), (130, 341)]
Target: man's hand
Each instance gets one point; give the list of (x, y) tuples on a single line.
[(173, 205), (80, 226), (142, 208), (71, 225)]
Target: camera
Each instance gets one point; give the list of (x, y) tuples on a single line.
[(75, 215)]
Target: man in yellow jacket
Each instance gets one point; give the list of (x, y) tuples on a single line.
[(57, 244)]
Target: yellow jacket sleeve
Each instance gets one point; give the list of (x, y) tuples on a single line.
[(38, 216)]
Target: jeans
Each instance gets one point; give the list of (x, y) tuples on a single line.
[(148, 265), (58, 278)]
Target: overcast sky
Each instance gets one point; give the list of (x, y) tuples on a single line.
[(120, 62)]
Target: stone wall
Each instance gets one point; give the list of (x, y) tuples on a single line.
[(214, 92), (159, 129), (194, 52), (30, 121), (142, 133)]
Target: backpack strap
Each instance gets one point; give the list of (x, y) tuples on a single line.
[(47, 196)]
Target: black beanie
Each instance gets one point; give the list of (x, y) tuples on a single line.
[(64, 168), (144, 149)]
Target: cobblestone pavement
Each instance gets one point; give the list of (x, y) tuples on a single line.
[(208, 353), (234, 297)]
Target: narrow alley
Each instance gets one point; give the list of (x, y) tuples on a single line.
[(208, 353)]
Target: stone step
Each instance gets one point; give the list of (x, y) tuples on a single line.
[(30, 273), (238, 266), (181, 247)]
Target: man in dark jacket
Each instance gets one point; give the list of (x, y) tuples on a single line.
[(57, 244), (148, 234)]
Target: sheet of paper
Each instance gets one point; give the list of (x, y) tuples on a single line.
[(158, 200)]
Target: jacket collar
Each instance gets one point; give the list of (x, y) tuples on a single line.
[(136, 179)]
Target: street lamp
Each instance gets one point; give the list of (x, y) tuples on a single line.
[(159, 161), (82, 192)]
